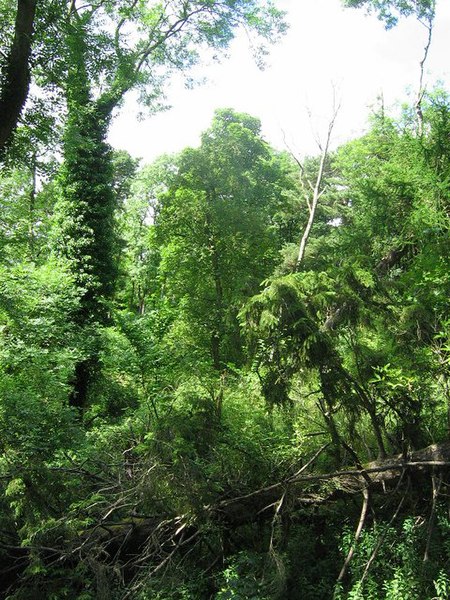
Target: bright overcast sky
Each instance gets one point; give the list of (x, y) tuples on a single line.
[(325, 45)]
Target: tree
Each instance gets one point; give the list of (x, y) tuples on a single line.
[(166, 38), (141, 255), (15, 67), (389, 11), (390, 207), (216, 232), (312, 192)]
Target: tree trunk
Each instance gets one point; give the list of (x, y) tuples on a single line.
[(86, 235), (16, 73), (217, 331), (316, 189), (81, 381)]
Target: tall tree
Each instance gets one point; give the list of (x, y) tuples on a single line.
[(217, 234), (102, 68)]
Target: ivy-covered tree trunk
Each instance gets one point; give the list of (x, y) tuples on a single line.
[(86, 234), (87, 208)]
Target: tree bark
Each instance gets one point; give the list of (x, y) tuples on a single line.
[(16, 72)]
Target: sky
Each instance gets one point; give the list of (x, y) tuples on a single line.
[(327, 48)]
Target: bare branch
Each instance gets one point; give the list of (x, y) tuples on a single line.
[(303, 179), (317, 188), (382, 536), (358, 532), (420, 93)]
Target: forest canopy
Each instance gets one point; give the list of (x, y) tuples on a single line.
[(224, 374)]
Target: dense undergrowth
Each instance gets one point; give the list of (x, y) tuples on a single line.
[(178, 478)]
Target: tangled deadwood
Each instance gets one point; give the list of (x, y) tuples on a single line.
[(151, 542)]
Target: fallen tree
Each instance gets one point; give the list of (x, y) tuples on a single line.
[(135, 540)]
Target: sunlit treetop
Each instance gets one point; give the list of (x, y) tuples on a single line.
[(140, 44), (389, 11)]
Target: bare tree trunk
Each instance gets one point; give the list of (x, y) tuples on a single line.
[(316, 189), (418, 104), (317, 193)]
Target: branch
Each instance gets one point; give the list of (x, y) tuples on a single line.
[(276, 486), (392, 258), (421, 90), (317, 191), (301, 167), (436, 490), (358, 532), (120, 86), (382, 536)]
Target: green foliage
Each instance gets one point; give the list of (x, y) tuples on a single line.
[(25, 222), (389, 11), (37, 360), (398, 570), (213, 226), (243, 579), (210, 379)]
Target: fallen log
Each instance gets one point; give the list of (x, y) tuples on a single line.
[(157, 538)]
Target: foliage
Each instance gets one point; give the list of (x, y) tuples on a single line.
[(213, 226), (389, 11), (182, 407), (398, 570)]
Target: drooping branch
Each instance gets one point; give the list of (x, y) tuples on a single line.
[(392, 259)]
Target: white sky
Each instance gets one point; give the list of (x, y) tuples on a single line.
[(325, 45)]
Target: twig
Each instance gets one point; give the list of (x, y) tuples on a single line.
[(362, 519), (382, 536), (436, 490)]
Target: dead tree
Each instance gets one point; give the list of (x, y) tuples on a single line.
[(313, 190)]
